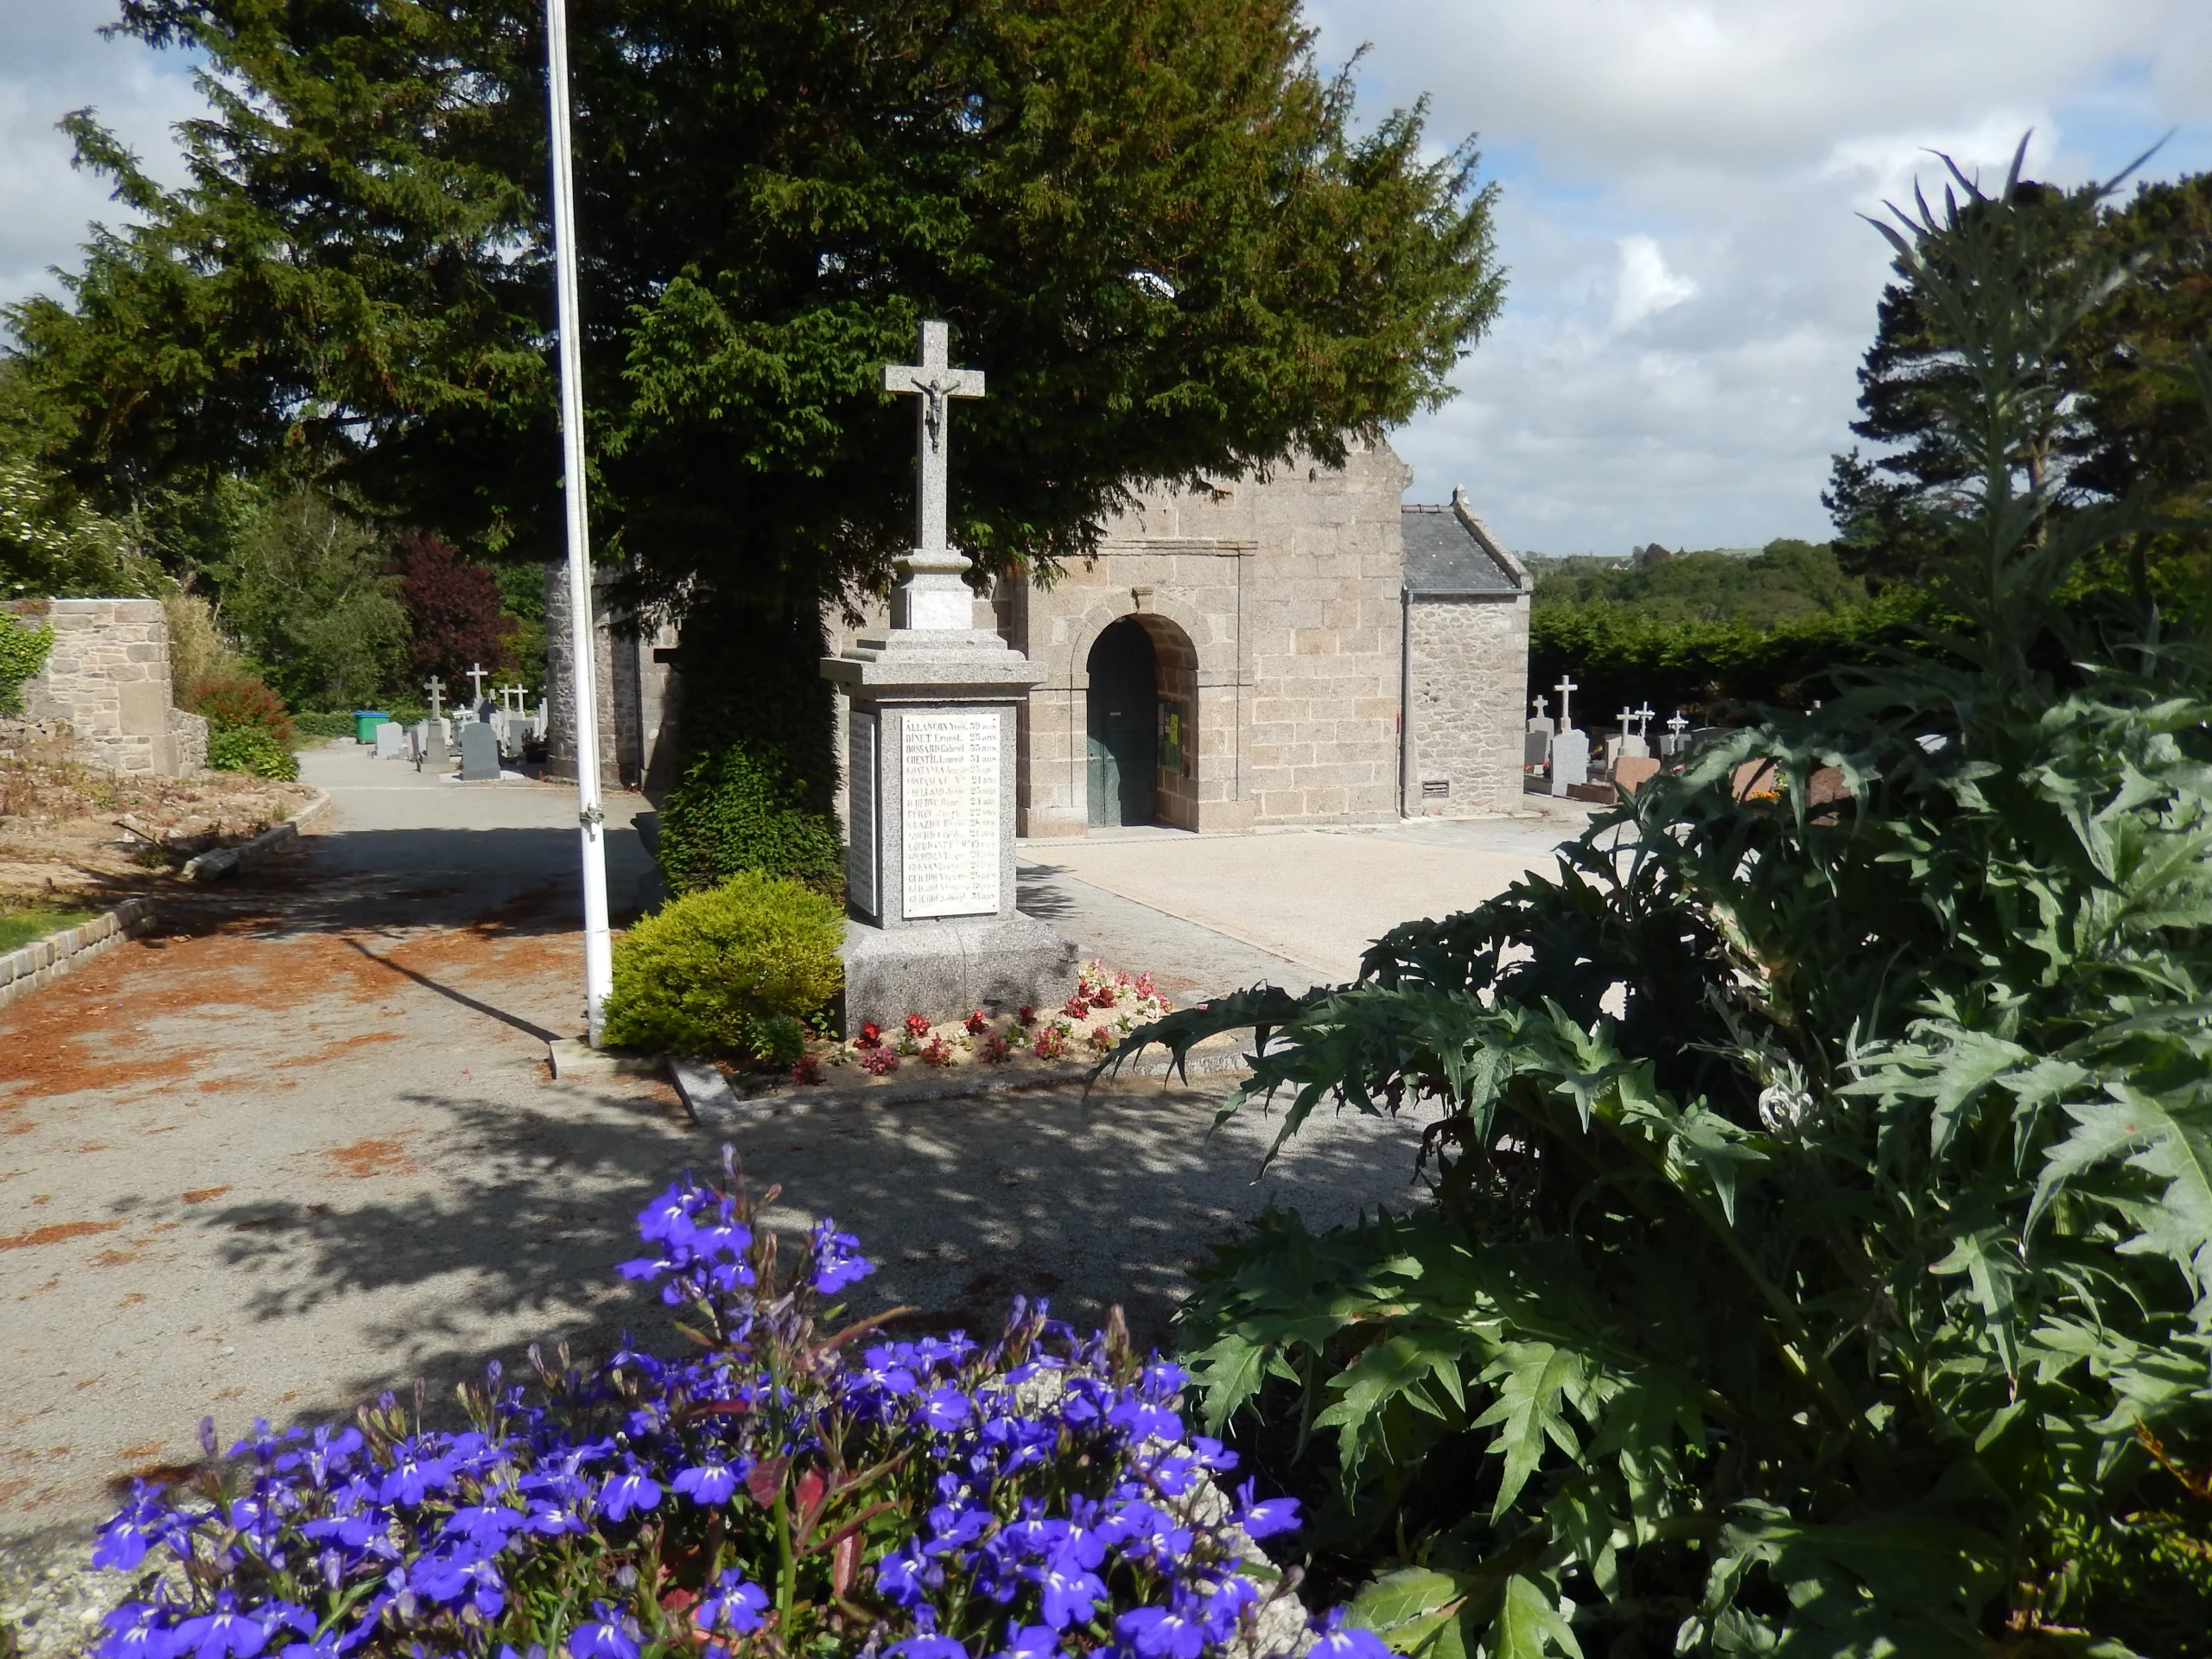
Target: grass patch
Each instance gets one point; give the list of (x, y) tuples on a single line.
[(21, 927)]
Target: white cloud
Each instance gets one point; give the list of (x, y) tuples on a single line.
[(1645, 287), (53, 60), (1690, 285)]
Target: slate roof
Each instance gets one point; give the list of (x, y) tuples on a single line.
[(1449, 550)]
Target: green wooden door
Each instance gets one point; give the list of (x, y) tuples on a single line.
[(1121, 718)]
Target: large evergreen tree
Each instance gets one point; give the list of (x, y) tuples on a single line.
[(2128, 417), (1152, 221)]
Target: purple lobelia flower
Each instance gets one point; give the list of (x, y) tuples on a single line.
[(1176, 1633), (709, 1482), (1333, 1639), (838, 1258), (629, 1490), (222, 1633), (607, 1636), (732, 1607)]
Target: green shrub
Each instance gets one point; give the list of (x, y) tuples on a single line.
[(757, 777), (726, 968), (22, 653), (320, 727), (248, 748)]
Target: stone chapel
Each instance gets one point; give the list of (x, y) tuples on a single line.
[(1303, 649)]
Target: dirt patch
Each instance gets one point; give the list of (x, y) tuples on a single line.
[(62, 1232), (343, 1045), (204, 1193), (71, 830), (367, 1159)]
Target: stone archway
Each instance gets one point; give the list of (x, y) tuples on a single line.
[(1141, 724)]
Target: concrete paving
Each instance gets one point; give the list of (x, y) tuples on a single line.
[(301, 1146), (1304, 904)]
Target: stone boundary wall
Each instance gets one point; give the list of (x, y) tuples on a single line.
[(107, 679), (1469, 675), (636, 687), (43, 960)]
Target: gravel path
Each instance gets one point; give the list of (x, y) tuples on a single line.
[(302, 1147)]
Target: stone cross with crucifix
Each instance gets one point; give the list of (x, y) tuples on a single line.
[(933, 707), (932, 595)]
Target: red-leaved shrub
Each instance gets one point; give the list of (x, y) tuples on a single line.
[(227, 702)]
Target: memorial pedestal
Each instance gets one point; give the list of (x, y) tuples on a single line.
[(932, 927)]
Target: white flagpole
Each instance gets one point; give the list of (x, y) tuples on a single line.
[(599, 954)]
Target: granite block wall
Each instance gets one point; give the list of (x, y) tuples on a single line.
[(107, 679), (1470, 674)]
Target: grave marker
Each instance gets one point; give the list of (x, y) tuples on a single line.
[(1570, 748), (932, 925), (391, 741), (480, 754)]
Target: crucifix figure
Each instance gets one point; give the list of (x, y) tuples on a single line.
[(1565, 688), (932, 381), (1644, 719), (436, 688), (476, 678), (1676, 724)]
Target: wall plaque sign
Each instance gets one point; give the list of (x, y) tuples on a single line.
[(950, 780)]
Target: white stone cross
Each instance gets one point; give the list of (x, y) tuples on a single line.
[(511, 696), (436, 688), (1627, 718), (1536, 710), (932, 381), (476, 678), (1676, 724), (1644, 718), (1565, 688)]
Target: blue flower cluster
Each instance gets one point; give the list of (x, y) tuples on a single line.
[(784, 1486)]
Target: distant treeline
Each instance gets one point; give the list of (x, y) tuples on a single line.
[(1705, 630)]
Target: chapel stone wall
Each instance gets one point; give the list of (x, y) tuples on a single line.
[(1469, 675), (636, 690), (107, 679)]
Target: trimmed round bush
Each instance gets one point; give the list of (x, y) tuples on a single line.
[(251, 749), (700, 975)]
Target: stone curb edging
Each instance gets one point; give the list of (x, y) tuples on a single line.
[(43, 960), (712, 1103), (221, 860)]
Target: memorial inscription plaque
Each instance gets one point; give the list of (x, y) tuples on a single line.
[(950, 784), (860, 851)]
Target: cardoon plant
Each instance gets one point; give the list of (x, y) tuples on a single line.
[(786, 1487)]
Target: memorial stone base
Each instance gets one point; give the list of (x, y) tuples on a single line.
[(942, 969), (930, 923)]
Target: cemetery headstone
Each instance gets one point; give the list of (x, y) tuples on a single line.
[(1570, 748), (1540, 718), (1536, 747), (1633, 744), (1631, 771), (1675, 742), (391, 741), (931, 925), (480, 754)]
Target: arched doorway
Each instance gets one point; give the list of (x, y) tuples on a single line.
[(1121, 725)]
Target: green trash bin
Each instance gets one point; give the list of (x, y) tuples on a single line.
[(365, 721)]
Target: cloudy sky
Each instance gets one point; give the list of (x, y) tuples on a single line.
[(1690, 287)]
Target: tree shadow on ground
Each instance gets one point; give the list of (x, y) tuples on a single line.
[(962, 1203)]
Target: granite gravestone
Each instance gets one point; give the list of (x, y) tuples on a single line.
[(932, 927), (480, 754), (391, 741), (431, 752), (1570, 748)]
